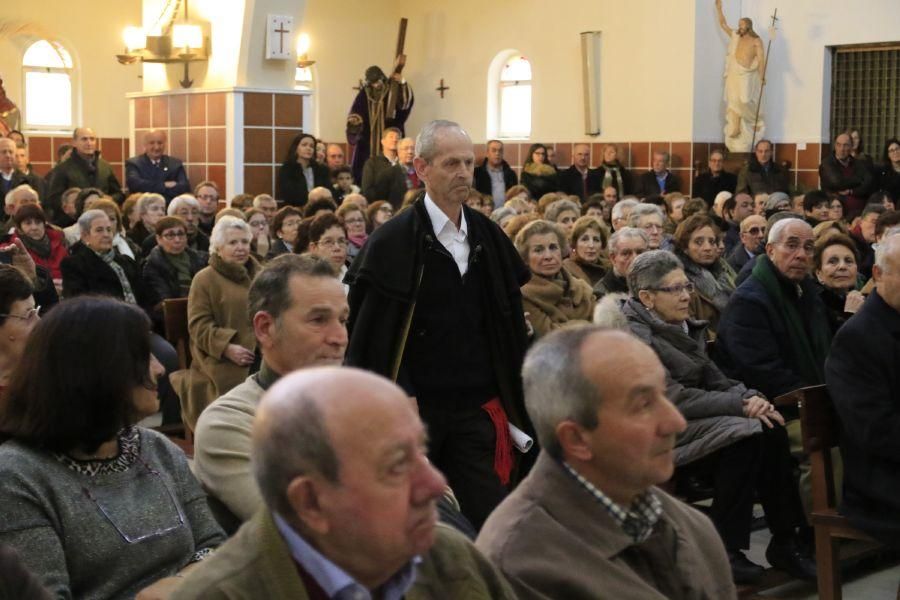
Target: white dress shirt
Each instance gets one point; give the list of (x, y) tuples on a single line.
[(456, 241)]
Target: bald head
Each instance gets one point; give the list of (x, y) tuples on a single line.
[(154, 144), (308, 415), (85, 141), (320, 193)]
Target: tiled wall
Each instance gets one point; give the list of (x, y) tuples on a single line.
[(42, 153), (271, 121), (195, 126)]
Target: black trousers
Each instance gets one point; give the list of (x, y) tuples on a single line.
[(758, 466), (462, 441), (168, 399)]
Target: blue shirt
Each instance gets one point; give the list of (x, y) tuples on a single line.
[(661, 181), (334, 580)]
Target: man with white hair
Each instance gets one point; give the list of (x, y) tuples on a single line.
[(864, 383), (624, 246), (154, 171), (401, 177), (266, 204), (621, 211), (15, 199), (649, 218), (589, 521), (774, 333), (187, 208), (435, 304)]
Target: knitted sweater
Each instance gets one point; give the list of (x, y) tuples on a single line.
[(71, 522)]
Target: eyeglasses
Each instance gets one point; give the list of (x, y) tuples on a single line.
[(809, 248), (173, 235), (354, 221), (332, 243), (30, 315), (756, 230), (676, 289)]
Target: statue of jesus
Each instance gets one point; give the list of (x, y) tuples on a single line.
[(744, 78)]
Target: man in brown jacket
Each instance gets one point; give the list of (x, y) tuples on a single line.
[(588, 522), (350, 503)]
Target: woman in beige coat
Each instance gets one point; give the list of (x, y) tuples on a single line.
[(222, 340), (553, 298)]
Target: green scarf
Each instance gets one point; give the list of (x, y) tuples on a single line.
[(808, 348)]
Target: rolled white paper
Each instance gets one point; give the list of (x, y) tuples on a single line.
[(520, 439)]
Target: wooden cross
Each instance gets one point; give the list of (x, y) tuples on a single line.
[(281, 33), (442, 88)]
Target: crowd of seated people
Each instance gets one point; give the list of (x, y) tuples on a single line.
[(771, 279)]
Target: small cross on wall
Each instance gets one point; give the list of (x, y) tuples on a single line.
[(442, 88)]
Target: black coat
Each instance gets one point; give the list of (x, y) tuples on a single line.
[(374, 184), (627, 184), (708, 187), (648, 186), (75, 171), (570, 182), (482, 181), (753, 179), (292, 184), (384, 284), (86, 273), (161, 278), (751, 343), (889, 181), (541, 181), (834, 180), (864, 383), (142, 176)]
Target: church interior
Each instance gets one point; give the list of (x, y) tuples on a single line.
[(645, 75)]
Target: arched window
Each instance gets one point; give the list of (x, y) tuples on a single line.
[(47, 70), (513, 100)]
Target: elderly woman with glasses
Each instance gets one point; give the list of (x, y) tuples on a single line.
[(222, 339), (18, 316), (96, 506), (328, 239), (696, 245), (171, 266), (733, 432), (553, 298), (353, 219), (286, 227)]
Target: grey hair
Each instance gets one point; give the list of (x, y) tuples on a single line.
[(224, 224), (88, 217), (426, 141), (776, 231), (642, 210), (649, 269), (626, 233), (181, 200), (555, 387), (144, 202), (501, 213), (540, 227), (666, 156), (882, 247), (260, 197), (558, 207), (620, 206), (294, 444), (13, 195), (271, 290)]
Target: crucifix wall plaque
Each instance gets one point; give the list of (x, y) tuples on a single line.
[(279, 36)]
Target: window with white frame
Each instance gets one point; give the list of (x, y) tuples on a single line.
[(47, 74), (514, 102)]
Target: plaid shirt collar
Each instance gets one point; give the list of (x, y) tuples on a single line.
[(637, 521)]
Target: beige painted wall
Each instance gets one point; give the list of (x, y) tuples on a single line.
[(93, 34), (647, 60)]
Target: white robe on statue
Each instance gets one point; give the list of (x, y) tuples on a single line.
[(742, 87)]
